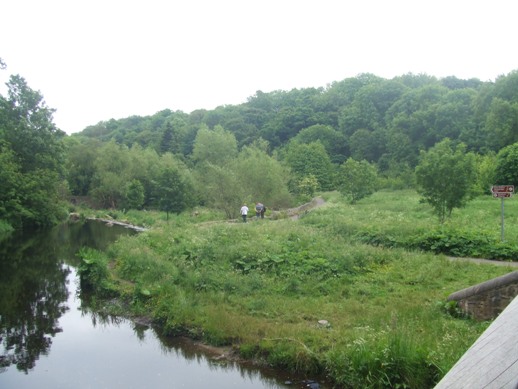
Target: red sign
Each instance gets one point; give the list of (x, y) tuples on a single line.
[(502, 189), (502, 194)]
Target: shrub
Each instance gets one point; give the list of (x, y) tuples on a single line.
[(94, 274)]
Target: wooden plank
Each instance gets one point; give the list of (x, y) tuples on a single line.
[(492, 361)]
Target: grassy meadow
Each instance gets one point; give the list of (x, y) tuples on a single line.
[(353, 293)]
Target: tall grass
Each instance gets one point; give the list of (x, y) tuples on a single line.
[(263, 287)]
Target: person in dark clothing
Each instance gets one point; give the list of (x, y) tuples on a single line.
[(259, 210)]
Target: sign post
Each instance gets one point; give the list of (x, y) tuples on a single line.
[(502, 192)]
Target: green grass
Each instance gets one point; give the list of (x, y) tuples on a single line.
[(262, 287)]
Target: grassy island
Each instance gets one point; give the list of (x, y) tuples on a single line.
[(354, 293)]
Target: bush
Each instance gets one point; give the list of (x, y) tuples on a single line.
[(94, 274)]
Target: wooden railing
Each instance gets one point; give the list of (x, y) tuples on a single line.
[(492, 361)]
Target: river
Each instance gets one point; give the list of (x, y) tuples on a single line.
[(50, 339)]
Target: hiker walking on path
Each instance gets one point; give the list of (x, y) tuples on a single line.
[(244, 212), (259, 210)]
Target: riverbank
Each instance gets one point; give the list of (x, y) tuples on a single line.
[(263, 289), (125, 224)]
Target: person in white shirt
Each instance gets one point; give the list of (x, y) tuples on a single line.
[(244, 212)]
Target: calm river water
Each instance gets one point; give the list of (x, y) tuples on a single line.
[(49, 339)]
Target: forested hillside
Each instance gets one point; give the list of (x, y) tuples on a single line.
[(367, 117), (277, 148)]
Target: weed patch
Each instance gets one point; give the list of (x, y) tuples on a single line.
[(370, 271)]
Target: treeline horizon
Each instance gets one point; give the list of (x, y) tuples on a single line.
[(383, 121), (278, 148)]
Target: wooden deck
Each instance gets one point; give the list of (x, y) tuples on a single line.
[(492, 361)]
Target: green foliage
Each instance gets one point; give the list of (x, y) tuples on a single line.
[(252, 176), (358, 179), (262, 177), (94, 274), (263, 287), (80, 164), (445, 176), (386, 122), (466, 235), (5, 229), (214, 146), (310, 159), (486, 173), (134, 195), (221, 188), (307, 187), (447, 241), (397, 176), (507, 166), (502, 123), (332, 140), (174, 192), (389, 358), (109, 180), (452, 308), (31, 156)]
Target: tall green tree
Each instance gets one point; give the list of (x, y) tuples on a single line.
[(109, 181), (133, 195), (262, 177), (173, 191), (502, 123), (81, 154), (221, 188), (32, 151), (214, 146), (506, 169), (368, 145), (311, 159), (11, 196), (332, 140), (445, 177), (357, 179), (486, 172)]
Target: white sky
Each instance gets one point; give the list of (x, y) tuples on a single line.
[(94, 60)]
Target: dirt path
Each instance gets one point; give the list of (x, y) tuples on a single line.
[(485, 261), (295, 213)]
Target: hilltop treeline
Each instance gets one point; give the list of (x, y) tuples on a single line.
[(366, 117), (276, 148)]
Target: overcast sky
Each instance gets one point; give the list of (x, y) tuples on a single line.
[(100, 59)]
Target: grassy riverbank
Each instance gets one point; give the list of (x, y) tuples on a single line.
[(340, 292)]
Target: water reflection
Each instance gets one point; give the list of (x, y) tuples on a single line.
[(104, 352), (32, 293), (33, 287), (50, 339)]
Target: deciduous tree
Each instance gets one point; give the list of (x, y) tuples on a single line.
[(214, 146), (358, 179), (31, 150), (311, 159), (445, 177), (506, 169)]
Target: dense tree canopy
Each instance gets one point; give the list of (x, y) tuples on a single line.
[(299, 139), (310, 159), (357, 179), (387, 124), (32, 158), (506, 172)]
